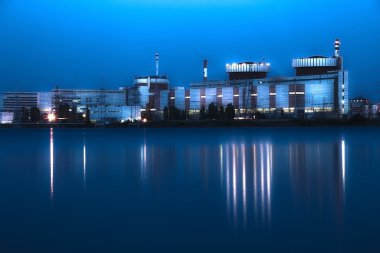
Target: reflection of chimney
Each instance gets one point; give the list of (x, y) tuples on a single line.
[(205, 65), (157, 60), (337, 47)]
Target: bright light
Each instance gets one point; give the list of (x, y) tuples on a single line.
[(84, 115), (51, 117), (144, 120)]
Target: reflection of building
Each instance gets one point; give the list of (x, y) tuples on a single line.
[(246, 172), (318, 171)]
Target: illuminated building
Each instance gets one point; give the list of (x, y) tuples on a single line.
[(13, 103), (361, 107), (105, 106), (320, 86), (247, 70), (16, 101)]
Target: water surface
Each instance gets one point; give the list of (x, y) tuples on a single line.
[(195, 190)]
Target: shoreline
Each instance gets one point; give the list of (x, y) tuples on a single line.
[(207, 124)]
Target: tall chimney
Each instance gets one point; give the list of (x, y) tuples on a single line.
[(157, 61), (205, 66)]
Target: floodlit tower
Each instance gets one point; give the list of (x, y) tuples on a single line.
[(205, 66), (157, 62), (337, 47)]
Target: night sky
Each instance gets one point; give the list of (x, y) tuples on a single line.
[(78, 43)]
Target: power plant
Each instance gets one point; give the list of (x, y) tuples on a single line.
[(319, 87)]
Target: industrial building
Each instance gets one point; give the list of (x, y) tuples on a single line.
[(104, 106), (361, 107), (319, 87), (13, 103), (16, 101)]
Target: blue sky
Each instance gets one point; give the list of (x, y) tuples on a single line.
[(75, 43)]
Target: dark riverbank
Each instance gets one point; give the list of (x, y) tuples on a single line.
[(209, 124)]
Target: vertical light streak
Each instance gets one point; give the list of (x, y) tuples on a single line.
[(51, 164), (221, 164), (255, 201), (234, 183), (269, 178), (343, 164), (143, 161), (262, 179), (228, 179), (244, 184), (84, 165)]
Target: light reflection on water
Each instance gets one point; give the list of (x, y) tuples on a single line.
[(251, 181), (253, 184), (51, 164), (246, 173)]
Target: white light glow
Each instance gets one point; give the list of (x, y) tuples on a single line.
[(51, 117)]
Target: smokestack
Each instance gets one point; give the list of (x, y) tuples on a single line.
[(337, 47), (157, 61), (205, 66)]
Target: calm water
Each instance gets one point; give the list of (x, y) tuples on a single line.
[(195, 190)]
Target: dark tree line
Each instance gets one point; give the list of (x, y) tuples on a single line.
[(173, 113), (217, 113), (64, 113), (31, 115), (213, 112)]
